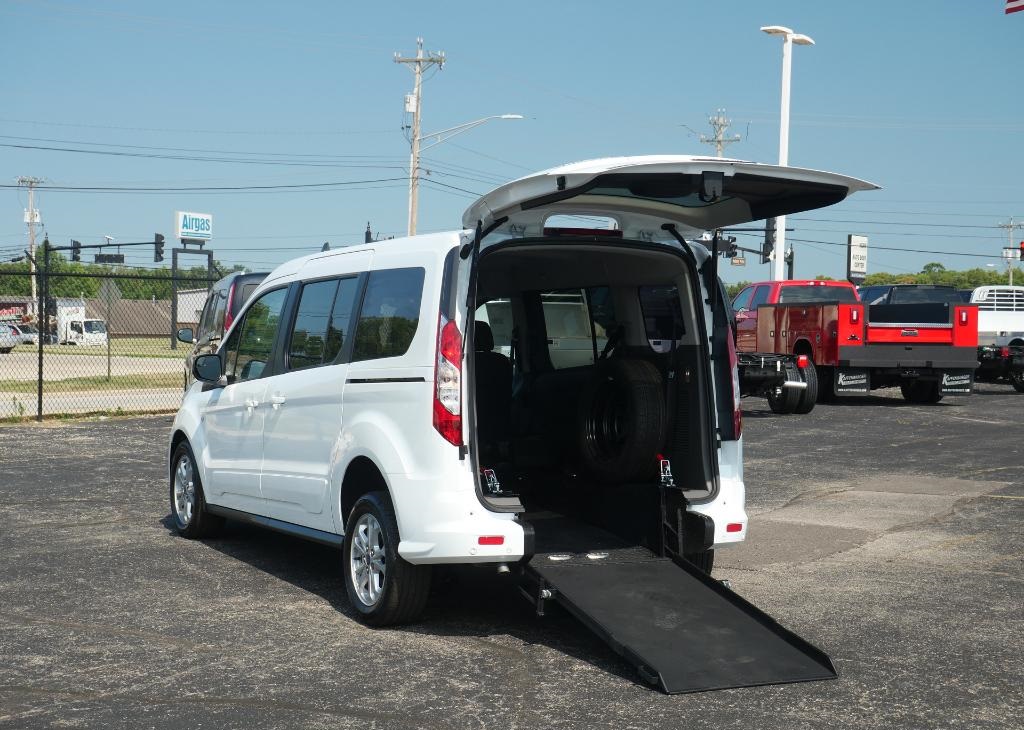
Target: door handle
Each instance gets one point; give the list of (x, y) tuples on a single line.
[(277, 401), (250, 404)]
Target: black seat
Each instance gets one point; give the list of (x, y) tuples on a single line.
[(493, 387)]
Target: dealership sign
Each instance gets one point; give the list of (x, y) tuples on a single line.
[(856, 258), (193, 226)]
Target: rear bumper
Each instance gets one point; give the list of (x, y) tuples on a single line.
[(727, 509), (937, 357)]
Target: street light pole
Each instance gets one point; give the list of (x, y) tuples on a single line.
[(438, 137), (788, 39)]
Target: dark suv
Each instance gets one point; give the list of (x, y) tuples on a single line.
[(223, 303)]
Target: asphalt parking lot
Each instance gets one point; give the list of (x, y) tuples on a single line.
[(887, 534)]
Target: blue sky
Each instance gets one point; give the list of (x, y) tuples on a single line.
[(922, 98)]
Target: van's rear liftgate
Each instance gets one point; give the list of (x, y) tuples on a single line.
[(683, 630)]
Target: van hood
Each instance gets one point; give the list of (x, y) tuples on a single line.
[(643, 193)]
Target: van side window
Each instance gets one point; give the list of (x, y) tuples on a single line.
[(217, 318), (663, 315), (325, 308), (390, 313), (578, 323), (247, 352)]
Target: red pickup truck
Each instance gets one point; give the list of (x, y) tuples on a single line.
[(929, 350)]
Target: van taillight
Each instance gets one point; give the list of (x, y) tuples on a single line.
[(854, 315), (448, 382), (228, 316), (737, 411)]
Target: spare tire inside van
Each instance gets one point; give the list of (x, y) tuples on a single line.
[(621, 420)]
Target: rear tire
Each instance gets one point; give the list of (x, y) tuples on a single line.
[(621, 421), (921, 391), (809, 396), (382, 586), (1017, 381), (785, 400), (188, 503), (704, 561)]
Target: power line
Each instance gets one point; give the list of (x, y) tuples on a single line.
[(70, 188), (893, 223)]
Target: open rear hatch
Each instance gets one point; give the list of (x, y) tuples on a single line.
[(683, 630)]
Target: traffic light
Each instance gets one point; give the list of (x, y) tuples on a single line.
[(730, 251), (158, 247), (76, 251), (769, 241)]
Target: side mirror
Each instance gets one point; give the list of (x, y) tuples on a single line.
[(208, 369), (185, 335)]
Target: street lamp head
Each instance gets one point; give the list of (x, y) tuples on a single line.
[(803, 40), (776, 30), (511, 116)]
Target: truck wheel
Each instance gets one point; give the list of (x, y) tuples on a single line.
[(381, 586), (704, 561), (621, 421), (921, 391), (809, 396), (1017, 381), (188, 504), (783, 400)]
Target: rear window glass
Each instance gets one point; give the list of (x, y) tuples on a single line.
[(924, 295), (806, 294), (390, 313)]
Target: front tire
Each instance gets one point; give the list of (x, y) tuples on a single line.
[(188, 503), (382, 586)]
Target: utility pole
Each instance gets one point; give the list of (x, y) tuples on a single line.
[(720, 124), (1010, 228), (32, 220), (414, 106)]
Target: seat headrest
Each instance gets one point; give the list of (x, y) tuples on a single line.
[(483, 338)]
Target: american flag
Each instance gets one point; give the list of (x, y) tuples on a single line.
[(1013, 6)]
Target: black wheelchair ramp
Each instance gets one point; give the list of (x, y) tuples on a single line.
[(684, 631)]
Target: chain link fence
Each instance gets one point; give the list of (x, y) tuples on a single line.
[(95, 342)]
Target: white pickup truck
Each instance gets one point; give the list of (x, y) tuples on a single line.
[(1000, 333)]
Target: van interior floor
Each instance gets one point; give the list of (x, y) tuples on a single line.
[(681, 629)]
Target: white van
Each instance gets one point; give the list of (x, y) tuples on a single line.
[(362, 394)]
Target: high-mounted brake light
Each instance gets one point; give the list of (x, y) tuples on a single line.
[(802, 361), (737, 411), (448, 382), (556, 232)]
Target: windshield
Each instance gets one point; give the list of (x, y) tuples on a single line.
[(810, 293), (27, 329), (95, 326), (924, 295)]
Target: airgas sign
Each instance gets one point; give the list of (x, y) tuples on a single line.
[(193, 226)]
